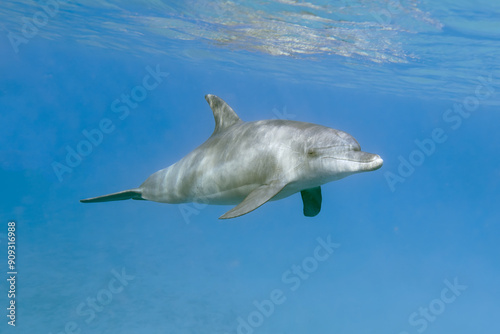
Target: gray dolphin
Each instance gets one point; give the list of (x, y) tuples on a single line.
[(250, 163)]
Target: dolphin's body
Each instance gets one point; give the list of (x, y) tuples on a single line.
[(250, 163)]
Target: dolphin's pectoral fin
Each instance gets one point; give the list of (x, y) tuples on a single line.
[(119, 196), (312, 201), (255, 199)]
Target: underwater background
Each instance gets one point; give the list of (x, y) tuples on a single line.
[(410, 248)]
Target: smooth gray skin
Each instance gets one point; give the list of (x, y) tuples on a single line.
[(250, 163)]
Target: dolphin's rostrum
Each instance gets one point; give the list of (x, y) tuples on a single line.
[(250, 163)]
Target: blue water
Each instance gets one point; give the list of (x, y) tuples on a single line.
[(416, 243)]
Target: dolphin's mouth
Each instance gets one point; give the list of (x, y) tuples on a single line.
[(369, 161)]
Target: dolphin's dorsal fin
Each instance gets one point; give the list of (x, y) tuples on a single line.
[(224, 115)]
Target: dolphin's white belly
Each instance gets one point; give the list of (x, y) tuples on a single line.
[(175, 185)]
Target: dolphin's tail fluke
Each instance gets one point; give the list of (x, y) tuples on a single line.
[(119, 196)]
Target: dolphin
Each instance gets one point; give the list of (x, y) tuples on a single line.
[(251, 163)]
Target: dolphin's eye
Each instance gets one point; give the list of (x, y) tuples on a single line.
[(311, 152)]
